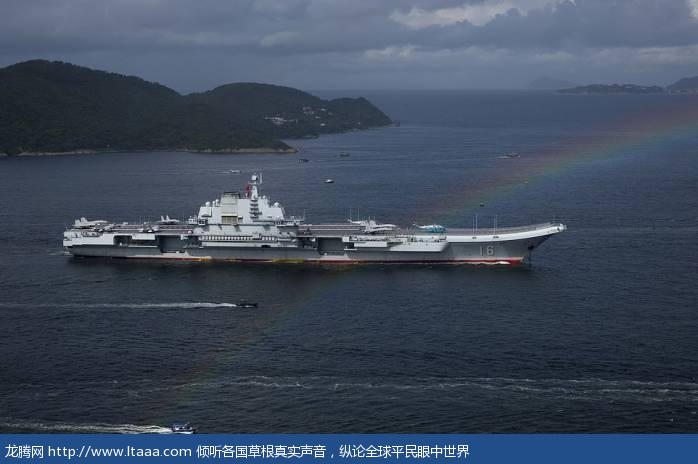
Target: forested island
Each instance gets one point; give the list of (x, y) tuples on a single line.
[(55, 107), (687, 85)]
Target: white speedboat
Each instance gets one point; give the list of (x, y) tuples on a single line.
[(184, 428)]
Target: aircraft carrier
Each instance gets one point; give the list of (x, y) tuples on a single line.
[(248, 227)]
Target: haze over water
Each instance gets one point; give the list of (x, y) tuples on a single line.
[(597, 335)]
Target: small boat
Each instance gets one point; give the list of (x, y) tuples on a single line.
[(234, 171), (303, 160), (344, 154), (184, 428), (510, 155), (245, 304), (329, 181)]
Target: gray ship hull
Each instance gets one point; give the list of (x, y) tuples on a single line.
[(482, 252)]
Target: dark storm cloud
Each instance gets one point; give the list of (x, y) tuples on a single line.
[(564, 24), (367, 38), (307, 26), (594, 23)]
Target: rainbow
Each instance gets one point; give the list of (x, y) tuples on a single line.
[(616, 141)]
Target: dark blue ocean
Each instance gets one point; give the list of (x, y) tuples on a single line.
[(598, 334)]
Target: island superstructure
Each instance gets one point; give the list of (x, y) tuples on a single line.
[(249, 227)]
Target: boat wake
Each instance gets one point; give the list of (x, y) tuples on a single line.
[(171, 305), (174, 305), (16, 426), (61, 252)]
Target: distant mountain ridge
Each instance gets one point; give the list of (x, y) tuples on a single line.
[(51, 107), (686, 85), (613, 89)]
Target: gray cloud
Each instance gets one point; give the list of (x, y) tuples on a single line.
[(380, 43)]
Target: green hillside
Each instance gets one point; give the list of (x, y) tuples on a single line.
[(56, 107), (288, 113)]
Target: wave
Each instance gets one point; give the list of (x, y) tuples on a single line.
[(64, 427), (564, 391), (550, 389), (555, 386), (546, 389)]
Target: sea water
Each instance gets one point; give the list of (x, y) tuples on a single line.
[(598, 334)]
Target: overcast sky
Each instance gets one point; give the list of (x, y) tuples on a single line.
[(193, 45)]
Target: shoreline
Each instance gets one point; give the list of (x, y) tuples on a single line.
[(225, 151)]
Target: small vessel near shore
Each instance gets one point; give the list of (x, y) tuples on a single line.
[(184, 428), (249, 227), (245, 304), (329, 181)]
